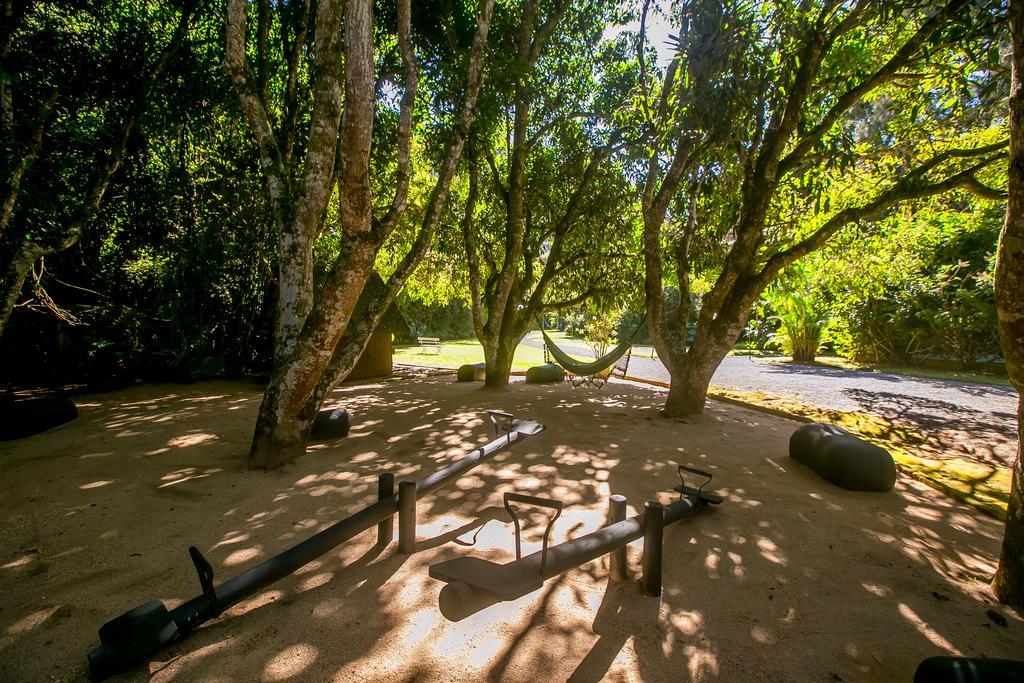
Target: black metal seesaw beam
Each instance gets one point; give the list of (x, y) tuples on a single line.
[(142, 631), (474, 583)]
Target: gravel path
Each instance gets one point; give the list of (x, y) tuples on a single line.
[(979, 420)]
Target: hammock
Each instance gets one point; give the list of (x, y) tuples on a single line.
[(595, 367)]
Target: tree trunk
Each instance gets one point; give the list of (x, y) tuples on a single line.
[(802, 355), (318, 342), (12, 280), (279, 437), (688, 390), (1008, 583), (499, 365)]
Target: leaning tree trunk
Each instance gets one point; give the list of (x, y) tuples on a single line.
[(13, 272), (280, 434), (1008, 583)]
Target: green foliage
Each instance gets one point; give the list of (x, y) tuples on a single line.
[(919, 285), (600, 331), (174, 268), (179, 264), (801, 310)]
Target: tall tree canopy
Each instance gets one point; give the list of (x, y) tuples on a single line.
[(738, 172), (75, 80), (549, 218)]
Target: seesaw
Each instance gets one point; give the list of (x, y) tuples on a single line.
[(142, 631), (474, 583)]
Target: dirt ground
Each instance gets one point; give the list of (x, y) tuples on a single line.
[(791, 579)]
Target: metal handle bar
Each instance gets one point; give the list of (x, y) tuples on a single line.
[(556, 505)]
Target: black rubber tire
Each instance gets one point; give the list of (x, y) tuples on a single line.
[(332, 423), (545, 374), (26, 417), (472, 372)]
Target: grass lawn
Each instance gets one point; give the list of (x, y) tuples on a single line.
[(458, 352), (641, 350)]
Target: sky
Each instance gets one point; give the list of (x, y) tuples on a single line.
[(658, 30)]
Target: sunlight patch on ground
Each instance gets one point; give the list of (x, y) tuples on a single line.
[(20, 562), (290, 663), (931, 634), (194, 439), (242, 556), (97, 484)]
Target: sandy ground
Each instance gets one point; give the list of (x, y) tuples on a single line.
[(791, 579)]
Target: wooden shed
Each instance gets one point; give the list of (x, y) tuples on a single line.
[(377, 360)]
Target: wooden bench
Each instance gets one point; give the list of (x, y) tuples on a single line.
[(430, 343)]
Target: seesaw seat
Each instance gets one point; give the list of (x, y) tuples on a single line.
[(503, 581)]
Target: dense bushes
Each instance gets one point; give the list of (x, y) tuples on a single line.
[(917, 287)]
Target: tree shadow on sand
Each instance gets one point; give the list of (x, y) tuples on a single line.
[(789, 579)]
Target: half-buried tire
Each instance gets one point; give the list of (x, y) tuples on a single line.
[(332, 423), (545, 374), (472, 372), (842, 458), (969, 670), (29, 416)]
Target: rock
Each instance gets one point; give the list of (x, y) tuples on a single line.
[(25, 417)]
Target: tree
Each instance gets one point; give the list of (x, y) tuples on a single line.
[(317, 340), (737, 164), (61, 132), (548, 224), (1008, 583)]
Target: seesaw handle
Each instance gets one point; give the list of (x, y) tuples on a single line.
[(556, 505)]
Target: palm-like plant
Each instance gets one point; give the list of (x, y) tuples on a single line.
[(800, 311)]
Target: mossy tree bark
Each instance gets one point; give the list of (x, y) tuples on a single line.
[(1008, 583), (317, 341)]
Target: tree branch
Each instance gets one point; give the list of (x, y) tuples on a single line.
[(237, 66), (28, 155), (405, 109), (499, 187), (569, 303), (907, 188), (883, 74)]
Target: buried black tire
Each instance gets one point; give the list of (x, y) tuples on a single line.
[(842, 458), (545, 374), (472, 372), (22, 418), (969, 670), (332, 423)]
